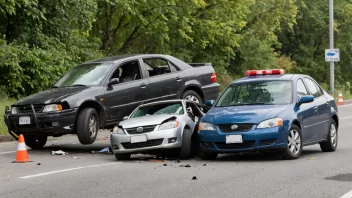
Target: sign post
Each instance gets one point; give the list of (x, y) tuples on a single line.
[(331, 30)]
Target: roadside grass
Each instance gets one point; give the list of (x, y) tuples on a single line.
[(4, 101), (346, 95)]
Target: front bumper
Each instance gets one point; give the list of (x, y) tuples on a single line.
[(156, 140), (253, 140), (41, 124)]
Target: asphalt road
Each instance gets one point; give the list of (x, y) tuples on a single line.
[(85, 174)]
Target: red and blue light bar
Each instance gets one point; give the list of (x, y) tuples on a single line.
[(265, 72)]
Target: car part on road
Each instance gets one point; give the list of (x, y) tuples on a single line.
[(331, 143), (123, 156), (59, 152), (294, 143), (35, 142), (185, 149), (192, 96), (87, 125)]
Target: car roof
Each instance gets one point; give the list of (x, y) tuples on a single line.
[(269, 78), (123, 57)]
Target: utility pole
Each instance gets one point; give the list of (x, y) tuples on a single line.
[(331, 24)]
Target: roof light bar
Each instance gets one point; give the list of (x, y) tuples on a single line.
[(265, 72)]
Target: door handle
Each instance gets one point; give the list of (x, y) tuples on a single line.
[(178, 78), (143, 85)]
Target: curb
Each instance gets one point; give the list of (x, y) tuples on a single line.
[(6, 138)]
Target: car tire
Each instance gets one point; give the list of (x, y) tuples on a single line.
[(185, 150), (294, 146), (192, 96), (331, 144), (87, 126), (35, 142), (205, 155), (123, 156)]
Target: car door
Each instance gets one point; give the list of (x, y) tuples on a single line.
[(307, 113), (164, 77), (323, 111), (122, 98)]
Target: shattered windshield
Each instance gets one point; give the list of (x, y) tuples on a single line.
[(85, 75), (158, 109)]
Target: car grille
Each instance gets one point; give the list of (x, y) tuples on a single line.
[(146, 129), (245, 144), (28, 108), (149, 143), (226, 128)]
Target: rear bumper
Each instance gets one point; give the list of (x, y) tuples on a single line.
[(211, 92), (43, 124)]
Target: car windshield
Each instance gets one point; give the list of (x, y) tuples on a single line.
[(158, 109), (85, 75), (257, 93)]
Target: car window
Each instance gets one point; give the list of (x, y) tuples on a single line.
[(158, 109), (312, 87), (301, 89), (158, 66), (127, 72), (257, 93)]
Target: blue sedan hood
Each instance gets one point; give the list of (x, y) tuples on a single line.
[(243, 114)]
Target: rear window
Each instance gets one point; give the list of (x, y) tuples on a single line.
[(257, 93)]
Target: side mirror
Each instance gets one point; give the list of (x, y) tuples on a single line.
[(125, 118), (306, 99), (7, 109), (114, 81), (209, 103)]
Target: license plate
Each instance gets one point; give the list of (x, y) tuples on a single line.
[(24, 120), (230, 139), (138, 138)]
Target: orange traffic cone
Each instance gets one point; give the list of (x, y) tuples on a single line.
[(340, 100), (21, 155)]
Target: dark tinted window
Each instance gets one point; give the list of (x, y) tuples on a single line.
[(312, 87), (157, 66), (301, 89)]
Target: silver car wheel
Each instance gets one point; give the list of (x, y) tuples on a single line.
[(333, 135), (294, 142), (192, 98), (92, 126)]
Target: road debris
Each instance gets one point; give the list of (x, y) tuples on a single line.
[(194, 178), (59, 152), (204, 164), (158, 160), (164, 164), (38, 164), (75, 157), (185, 165), (178, 161), (106, 150), (312, 158)]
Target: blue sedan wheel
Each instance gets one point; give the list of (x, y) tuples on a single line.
[(294, 143), (331, 142)]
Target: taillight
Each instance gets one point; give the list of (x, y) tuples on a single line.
[(265, 72), (213, 77)]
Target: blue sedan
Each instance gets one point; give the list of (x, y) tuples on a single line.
[(270, 110)]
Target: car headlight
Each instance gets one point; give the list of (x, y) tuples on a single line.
[(206, 126), (118, 130), (275, 122), (168, 125), (52, 108), (14, 110)]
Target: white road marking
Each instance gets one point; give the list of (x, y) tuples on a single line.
[(347, 195), (7, 152), (345, 117), (65, 170)]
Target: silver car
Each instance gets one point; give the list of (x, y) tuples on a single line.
[(156, 127)]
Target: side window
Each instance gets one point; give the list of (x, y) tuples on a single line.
[(157, 66), (301, 89), (312, 87), (129, 71)]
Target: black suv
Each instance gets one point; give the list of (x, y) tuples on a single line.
[(99, 93)]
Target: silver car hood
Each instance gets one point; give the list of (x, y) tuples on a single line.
[(145, 121)]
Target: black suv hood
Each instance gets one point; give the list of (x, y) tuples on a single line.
[(53, 95)]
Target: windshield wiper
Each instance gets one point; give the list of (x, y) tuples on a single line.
[(245, 104), (77, 85)]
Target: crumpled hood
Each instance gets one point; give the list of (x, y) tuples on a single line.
[(52, 95), (145, 121), (243, 114)]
